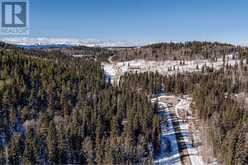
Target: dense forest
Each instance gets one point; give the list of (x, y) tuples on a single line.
[(177, 51), (226, 116), (220, 101), (61, 110), (55, 109)]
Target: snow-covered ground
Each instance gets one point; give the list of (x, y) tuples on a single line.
[(183, 112), (169, 67), (169, 149), (110, 71), (169, 153), (183, 107), (113, 72)]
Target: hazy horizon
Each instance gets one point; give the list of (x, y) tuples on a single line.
[(140, 21)]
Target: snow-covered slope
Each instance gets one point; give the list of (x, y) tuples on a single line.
[(168, 67), (39, 42)]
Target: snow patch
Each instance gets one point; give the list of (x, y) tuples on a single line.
[(169, 153), (171, 67)]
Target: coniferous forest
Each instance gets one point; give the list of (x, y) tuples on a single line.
[(56, 109), (219, 100), (63, 111)]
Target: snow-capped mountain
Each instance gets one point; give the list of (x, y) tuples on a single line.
[(43, 42)]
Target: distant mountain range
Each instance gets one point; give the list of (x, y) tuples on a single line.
[(66, 42)]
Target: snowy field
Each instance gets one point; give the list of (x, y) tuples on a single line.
[(168, 67), (110, 71)]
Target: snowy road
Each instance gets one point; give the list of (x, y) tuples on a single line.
[(176, 143), (176, 146), (183, 108), (169, 153)]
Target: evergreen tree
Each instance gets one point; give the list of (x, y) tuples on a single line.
[(52, 143)]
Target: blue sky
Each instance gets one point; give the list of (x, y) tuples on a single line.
[(141, 20)]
